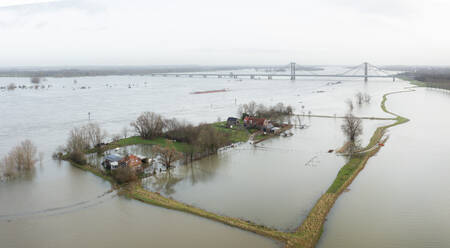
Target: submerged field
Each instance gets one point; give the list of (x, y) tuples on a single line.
[(274, 184)]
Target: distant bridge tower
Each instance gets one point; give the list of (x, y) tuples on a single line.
[(292, 70), (366, 69)]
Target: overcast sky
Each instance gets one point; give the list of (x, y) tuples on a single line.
[(138, 32)]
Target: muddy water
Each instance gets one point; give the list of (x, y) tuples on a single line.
[(275, 183), (401, 198), (123, 223), (62, 203)]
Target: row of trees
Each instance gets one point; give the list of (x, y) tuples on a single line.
[(13, 86), (83, 138), (203, 139), (20, 159), (262, 111), (360, 99)]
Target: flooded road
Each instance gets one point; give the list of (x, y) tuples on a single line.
[(63, 204), (402, 197)]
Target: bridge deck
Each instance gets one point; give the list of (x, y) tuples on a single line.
[(250, 75)]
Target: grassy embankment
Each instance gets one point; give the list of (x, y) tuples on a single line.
[(309, 232), (135, 191), (311, 229)]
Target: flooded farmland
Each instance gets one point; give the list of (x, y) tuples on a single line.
[(401, 198), (274, 183)]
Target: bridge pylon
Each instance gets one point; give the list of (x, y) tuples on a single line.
[(292, 70), (366, 70)]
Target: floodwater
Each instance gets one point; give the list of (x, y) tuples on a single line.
[(275, 183), (63, 206), (402, 197)]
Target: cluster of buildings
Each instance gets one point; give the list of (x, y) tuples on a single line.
[(115, 161), (262, 124)]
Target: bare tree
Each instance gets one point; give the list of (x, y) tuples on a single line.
[(352, 127), (41, 158), (21, 158), (78, 140), (367, 98), (148, 125), (349, 103), (11, 86), (125, 132), (35, 80), (359, 98), (94, 133), (260, 110), (167, 155), (115, 137), (247, 108)]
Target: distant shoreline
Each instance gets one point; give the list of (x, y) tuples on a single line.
[(127, 70)]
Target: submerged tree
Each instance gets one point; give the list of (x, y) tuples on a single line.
[(349, 105), (367, 98), (352, 127), (83, 138), (35, 80), (359, 98), (94, 134), (210, 139), (167, 155), (21, 158)]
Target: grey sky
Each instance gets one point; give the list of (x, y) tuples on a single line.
[(137, 32)]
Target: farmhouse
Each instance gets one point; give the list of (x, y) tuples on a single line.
[(131, 161), (253, 122), (114, 161), (232, 122)]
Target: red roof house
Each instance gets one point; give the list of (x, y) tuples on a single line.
[(132, 161)]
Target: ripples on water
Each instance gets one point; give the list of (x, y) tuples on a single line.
[(246, 182)]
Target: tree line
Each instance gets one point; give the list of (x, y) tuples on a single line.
[(202, 139), (262, 111)]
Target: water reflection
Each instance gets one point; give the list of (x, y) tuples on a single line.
[(268, 185), (164, 182), (401, 197)]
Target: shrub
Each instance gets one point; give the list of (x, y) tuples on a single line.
[(124, 175), (11, 86), (78, 157)]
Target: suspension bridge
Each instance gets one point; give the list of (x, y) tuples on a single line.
[(364, 70)]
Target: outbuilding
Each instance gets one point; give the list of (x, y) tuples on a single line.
[(112, 161), (232, 121)]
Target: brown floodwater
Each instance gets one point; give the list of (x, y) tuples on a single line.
[(402, 197), (274, 184)]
